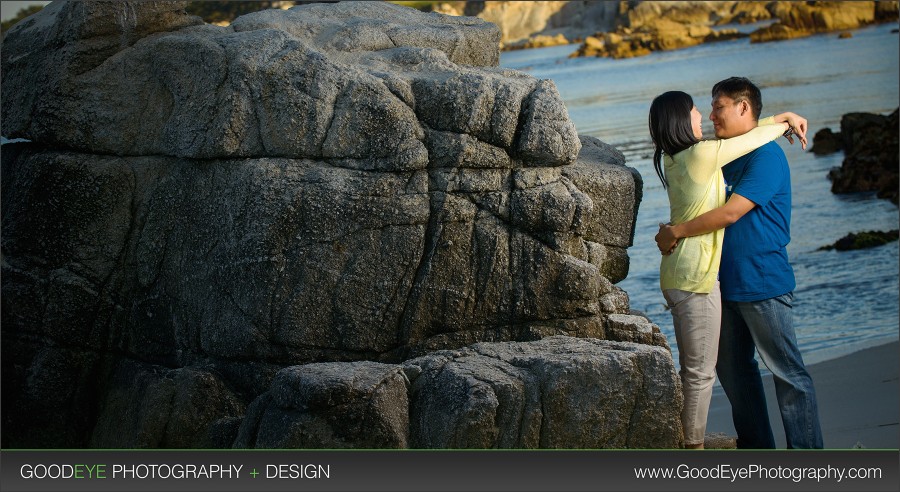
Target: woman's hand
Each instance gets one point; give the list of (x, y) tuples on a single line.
[(665, 239), (797, 125)]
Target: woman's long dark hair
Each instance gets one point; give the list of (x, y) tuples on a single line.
[(670, 127)]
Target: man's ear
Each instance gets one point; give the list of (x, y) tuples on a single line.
[(745, 107)]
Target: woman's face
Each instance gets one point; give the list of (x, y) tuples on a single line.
[(697, 122)]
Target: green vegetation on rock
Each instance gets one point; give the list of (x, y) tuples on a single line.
[(862, 240)]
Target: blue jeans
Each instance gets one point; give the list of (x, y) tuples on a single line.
[(766, 327)]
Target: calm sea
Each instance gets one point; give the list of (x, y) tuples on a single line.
[(845, 301)]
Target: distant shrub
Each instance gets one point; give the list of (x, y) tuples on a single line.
[(23, 13)]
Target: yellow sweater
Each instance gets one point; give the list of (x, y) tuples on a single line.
[(696, 186)]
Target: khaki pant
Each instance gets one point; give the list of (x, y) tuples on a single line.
[(697, 318)]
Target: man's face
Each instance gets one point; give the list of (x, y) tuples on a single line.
[(728, 117)]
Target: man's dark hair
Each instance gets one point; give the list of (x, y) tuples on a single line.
[(740, 89), (670, 127)]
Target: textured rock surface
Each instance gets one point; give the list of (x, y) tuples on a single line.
[(156, 407), (314, 73), (719, 441), (203, 206), (330, 405), (559, 392)]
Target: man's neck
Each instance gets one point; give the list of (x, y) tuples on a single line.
[(747, 126)]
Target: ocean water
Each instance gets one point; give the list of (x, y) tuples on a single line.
[(844, 301)]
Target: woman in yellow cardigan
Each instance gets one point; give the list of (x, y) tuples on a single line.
[(691, 171)]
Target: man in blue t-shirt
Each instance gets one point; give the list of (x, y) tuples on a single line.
[(757, 280)]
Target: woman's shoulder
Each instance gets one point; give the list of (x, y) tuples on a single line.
[(712, 142), (698, 149)]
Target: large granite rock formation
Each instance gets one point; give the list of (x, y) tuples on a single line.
[(356, 184)]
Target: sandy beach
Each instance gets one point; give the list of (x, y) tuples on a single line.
[(858, 401)]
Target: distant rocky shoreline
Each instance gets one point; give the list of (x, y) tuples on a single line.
[(802, 19), (664, 26), (634, 28)]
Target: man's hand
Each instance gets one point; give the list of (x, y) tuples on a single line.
[(665, 239)]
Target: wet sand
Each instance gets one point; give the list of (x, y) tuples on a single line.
[(858, 401)]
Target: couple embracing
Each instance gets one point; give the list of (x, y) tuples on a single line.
[(731, 290)]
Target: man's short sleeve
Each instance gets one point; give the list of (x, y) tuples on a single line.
[(763, 176)]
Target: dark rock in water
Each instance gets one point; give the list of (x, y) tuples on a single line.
[(863, 240), (845, 35), (872, 148), (826, 142), (344, 186)]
